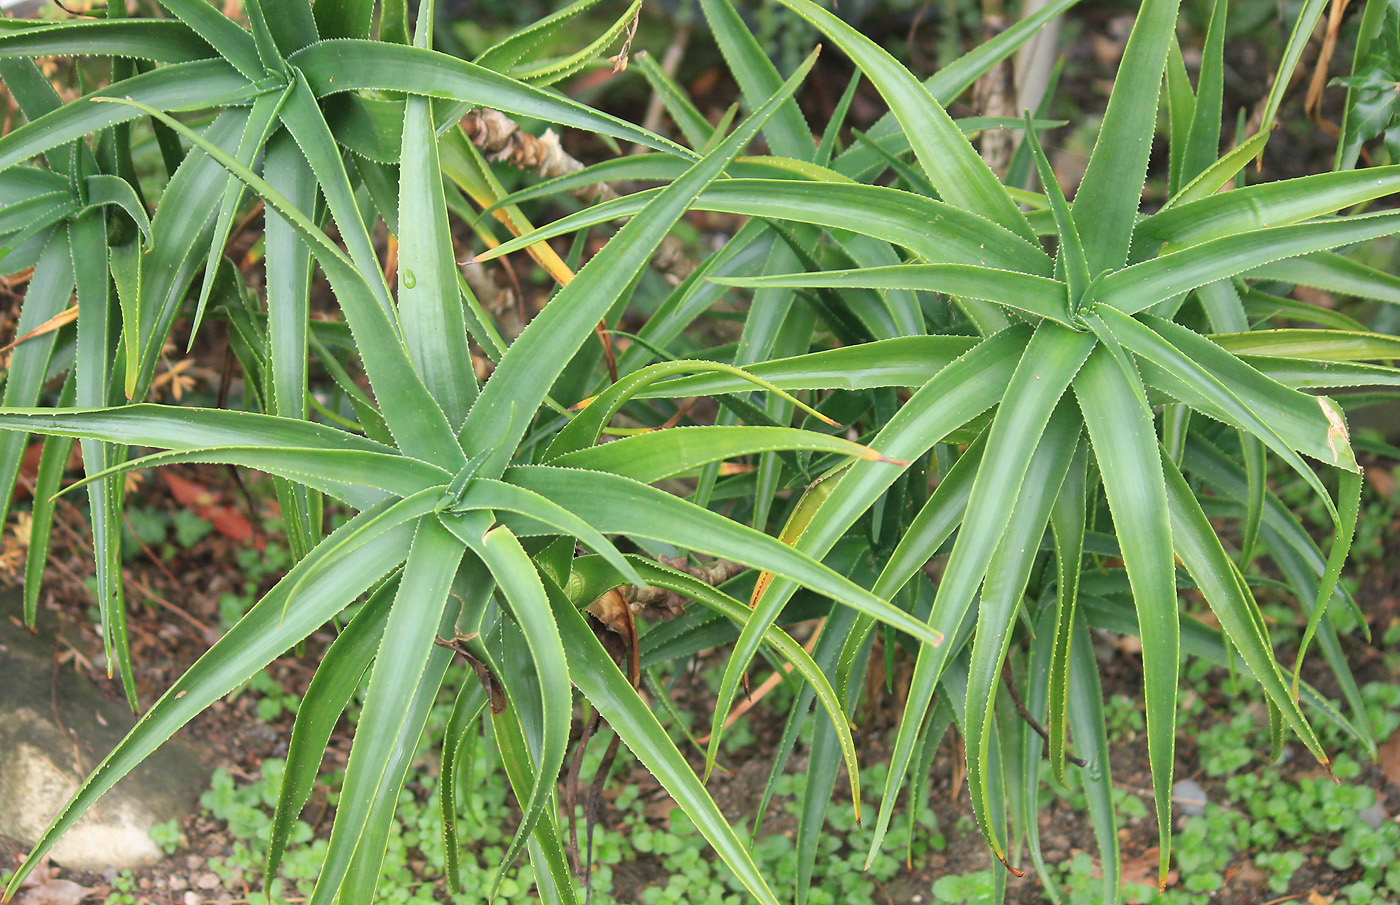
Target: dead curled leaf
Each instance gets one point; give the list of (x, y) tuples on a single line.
[(42, 888), (614, 612)]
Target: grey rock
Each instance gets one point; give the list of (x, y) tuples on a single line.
[(1373, 816), (1189, 798), (56, 727)]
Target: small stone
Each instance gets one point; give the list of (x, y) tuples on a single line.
[(223, 898), (193, 862), (1373, 816), (191, 897), (179, 882), (1189, 798), (207, 881)]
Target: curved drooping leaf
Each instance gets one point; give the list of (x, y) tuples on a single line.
[(515, 573), (1263, 206), (355, 65), (1125, 446), (603, 684), (618, 505), (937, 232), (353, 476), (1038, 296), (1140, 286), (157, 40), (267, 630), (541, 352), (1008, 571), (952, 165), (335, 682), (1038, 380), (655, 455), (182, 86)]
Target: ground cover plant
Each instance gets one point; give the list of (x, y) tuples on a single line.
[(1072, 396)]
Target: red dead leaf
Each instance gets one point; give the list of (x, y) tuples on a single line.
[(188, 493)]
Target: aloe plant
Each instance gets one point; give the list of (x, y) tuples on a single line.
[(1076, 374), (1051, 398)]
